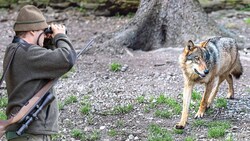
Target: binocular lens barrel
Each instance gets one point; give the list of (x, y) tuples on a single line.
[(48, 30)]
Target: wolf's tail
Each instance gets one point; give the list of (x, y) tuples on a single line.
[(238, 70)]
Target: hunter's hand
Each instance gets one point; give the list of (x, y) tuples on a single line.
[(57, 28)]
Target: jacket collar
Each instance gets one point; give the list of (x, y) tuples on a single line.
[(19, 40)]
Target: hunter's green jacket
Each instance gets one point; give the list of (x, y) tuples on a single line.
[(32, 67)]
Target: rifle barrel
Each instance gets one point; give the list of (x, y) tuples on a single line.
[(87, 46)]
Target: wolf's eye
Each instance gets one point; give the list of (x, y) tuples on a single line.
[(189, 57)]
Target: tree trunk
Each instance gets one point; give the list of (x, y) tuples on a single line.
[(164, 23)]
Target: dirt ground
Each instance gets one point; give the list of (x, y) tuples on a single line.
[(147, 74)]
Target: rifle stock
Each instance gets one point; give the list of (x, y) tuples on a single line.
[(25, 109)]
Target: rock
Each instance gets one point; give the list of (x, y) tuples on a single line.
[(124, 68), (102, 127)]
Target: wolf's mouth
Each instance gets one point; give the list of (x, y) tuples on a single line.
[(201, 75)]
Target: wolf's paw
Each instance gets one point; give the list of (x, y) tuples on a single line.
[(230, 97), (199, 114), (179, 126)]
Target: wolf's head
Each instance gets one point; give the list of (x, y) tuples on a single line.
[(194, 59)]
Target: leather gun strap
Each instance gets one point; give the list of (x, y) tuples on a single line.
[(8, 65)]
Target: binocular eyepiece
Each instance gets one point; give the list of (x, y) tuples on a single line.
[(48, 30)]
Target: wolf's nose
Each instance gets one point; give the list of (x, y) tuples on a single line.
[(206, 71)]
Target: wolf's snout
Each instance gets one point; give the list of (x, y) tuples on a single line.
[(206, 71)]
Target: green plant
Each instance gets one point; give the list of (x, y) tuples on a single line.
[(122, 109), (94, 136), (221, 103), (60, 105), (229, 137), (248, 90), (3, 102), (77, 133), (85, 108), (112, 133), (120, 123), (216, 129), (146, 109), (161, 99), (115, 67), (172, 103), (130, 15), (210, 111), (71, 99), (3, 116), (157, 133), (140, 99), (216, 132), (199, 122), (85, 105), (163, 113), (246, 8), (178, 131), (90, 119), (196, 96), (152, 104), (189, 139), (81, 9), (247, 20), (67, 75), (56, 137), (224, 124)]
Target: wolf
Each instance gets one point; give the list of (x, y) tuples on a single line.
[(209, 63)]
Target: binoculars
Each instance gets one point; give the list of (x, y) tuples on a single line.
[(48, 30)]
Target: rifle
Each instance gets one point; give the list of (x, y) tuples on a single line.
[(32, 108)]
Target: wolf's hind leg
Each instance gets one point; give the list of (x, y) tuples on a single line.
[(204, 101), (230, 94), (215, 89)]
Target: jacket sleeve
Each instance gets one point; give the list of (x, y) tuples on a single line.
[(49, 64)]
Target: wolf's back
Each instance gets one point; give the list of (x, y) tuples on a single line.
[(224, 47)]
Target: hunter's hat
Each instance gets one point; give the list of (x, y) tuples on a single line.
[(30, 18)]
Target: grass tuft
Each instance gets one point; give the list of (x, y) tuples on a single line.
[(216, 132), (3, 115), (189, 139), (71, 99), (157, 133), (196, 96), (140, 99), (115, 67), (3, 102), (163, 113), (221, 103), (122, 109)]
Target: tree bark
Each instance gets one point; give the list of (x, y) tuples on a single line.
[(164, 23)]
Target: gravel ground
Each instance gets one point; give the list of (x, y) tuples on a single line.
[(147, 74)]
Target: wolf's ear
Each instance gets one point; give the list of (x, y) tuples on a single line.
[(190, 45), (204, 44)]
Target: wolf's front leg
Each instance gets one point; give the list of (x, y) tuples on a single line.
[(188, 87), (204, 101)]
